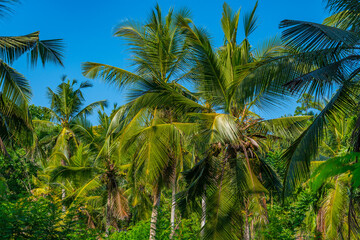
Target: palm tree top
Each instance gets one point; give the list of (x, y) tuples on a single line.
[(67, 101)]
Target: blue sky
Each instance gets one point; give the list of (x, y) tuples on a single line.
[(86, 27)]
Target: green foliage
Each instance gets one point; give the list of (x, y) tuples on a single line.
[(41, 218), (273, 158), (280, 224), (17, 171), (286, 220), (221, 160), (137, 232), (187, 229), (307, 102), (39, 112)]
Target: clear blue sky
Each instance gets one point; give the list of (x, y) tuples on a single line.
[(86, 27)]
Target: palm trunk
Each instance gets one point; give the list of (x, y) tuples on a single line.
[(247, 228), (203, 215), (63, 193), (154, 214), (349, 214), (263, 203), (247, 234), (173, 206), (108, 213)]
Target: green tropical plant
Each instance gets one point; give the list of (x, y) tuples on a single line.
[(97, 171), (160, 55), (232, 174), (324, 58), (15, 88), (67, 106)]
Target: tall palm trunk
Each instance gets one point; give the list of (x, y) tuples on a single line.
[(108, 212), (349, 214), (154, 214), (173, 204), (63, 193), (247, 234), (203, 215)]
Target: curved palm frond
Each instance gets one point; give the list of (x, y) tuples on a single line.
[(310, 36), (109, 74), (305, 147), (13, 85)]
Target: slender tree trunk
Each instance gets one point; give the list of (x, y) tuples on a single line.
[(63, 195), (173, 205), (263, 203), (349, 214), (247, 228), (154, 213), (108, 213), (63, 192), (203, 215), (247, 234), (3, 148)]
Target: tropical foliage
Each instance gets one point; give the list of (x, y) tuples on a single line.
[(188, 156)]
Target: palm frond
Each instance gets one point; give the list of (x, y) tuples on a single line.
[(13, 85), (305, 147), (89, 108), (346, 14), (109, 74), (12, 48), (309, 36), (47, 51), (286, 127)]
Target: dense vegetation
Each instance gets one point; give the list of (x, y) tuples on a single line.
[(187, 156)]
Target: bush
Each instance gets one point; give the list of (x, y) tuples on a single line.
[(41, 218), (188, 229)]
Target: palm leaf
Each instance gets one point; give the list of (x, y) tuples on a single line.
[(310, 36), (12, 48), (13, 85), (109, 74), (47, 51), (305, 147)]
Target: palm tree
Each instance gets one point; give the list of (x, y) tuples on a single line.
[(67, 106), (234, 79), (15, 88), (331, 181), (324, 58), (161, 154), (160, 58), (334, 182), (97, 171)]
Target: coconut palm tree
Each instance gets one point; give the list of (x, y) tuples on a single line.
[(327, 59), (325, 63), (160, 58), (67, 106), (331, 182), (15, 88), (334, 182), (162, 153), (96, 172), (234, 79)]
